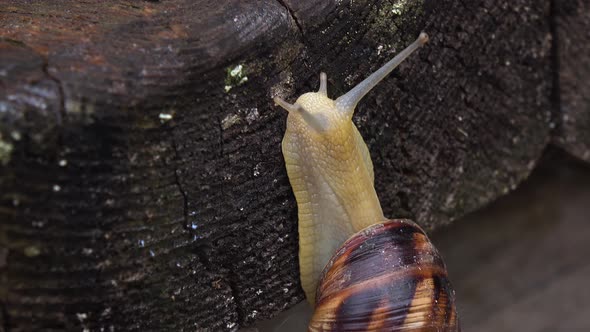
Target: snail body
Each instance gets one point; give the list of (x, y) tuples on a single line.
[(331, 173)]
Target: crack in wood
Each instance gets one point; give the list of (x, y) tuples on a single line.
[(293, 16)]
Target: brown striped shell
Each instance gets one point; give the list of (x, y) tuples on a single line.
[(387, 277)]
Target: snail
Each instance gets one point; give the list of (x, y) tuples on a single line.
[(370, 273)]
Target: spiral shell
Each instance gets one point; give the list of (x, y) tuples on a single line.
[(387, 277)]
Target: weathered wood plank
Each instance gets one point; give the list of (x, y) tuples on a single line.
[(142, 181)]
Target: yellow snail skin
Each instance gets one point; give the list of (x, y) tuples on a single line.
[(330, 170)]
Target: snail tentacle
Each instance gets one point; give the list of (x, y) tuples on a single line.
[(347, 102)]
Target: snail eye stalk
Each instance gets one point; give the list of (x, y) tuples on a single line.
[(348, 101)]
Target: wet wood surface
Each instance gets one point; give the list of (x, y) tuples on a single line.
[(142, 181)]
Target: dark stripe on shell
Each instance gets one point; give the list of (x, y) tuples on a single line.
[(451, 309), (376, 251), (437, 299), (356, 311), (352, 308)]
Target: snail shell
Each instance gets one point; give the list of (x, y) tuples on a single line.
[(387, 277)]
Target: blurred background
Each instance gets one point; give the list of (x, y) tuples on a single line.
[(521, 263)]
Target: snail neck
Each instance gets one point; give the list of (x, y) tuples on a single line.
[(333, 182), (346, 179)]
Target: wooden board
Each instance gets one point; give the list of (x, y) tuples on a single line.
[(142, 181)]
